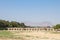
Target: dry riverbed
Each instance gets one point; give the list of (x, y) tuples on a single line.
[(32, 35)]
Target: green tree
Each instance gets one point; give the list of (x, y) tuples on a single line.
[(3, 24), (57, 26), (14, 24), (22, 25)]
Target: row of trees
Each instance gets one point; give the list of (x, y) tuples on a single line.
[(5, 24)]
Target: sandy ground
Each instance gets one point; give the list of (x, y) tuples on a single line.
[(34, 35)]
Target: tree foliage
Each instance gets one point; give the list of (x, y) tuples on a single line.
[(5, 24), (57, 26)]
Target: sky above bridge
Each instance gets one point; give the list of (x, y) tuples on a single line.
[(31, 11)]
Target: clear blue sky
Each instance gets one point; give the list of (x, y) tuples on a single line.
[(30, 10)]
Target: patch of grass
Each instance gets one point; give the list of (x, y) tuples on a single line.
[(28, 36), (55, 32), (37, 37), (6, 34), (45, 38)]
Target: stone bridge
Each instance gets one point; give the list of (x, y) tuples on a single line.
[(32, 29)]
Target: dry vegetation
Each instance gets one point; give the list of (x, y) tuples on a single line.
[(29, 35)]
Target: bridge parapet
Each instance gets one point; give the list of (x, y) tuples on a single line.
[(32, 29)]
